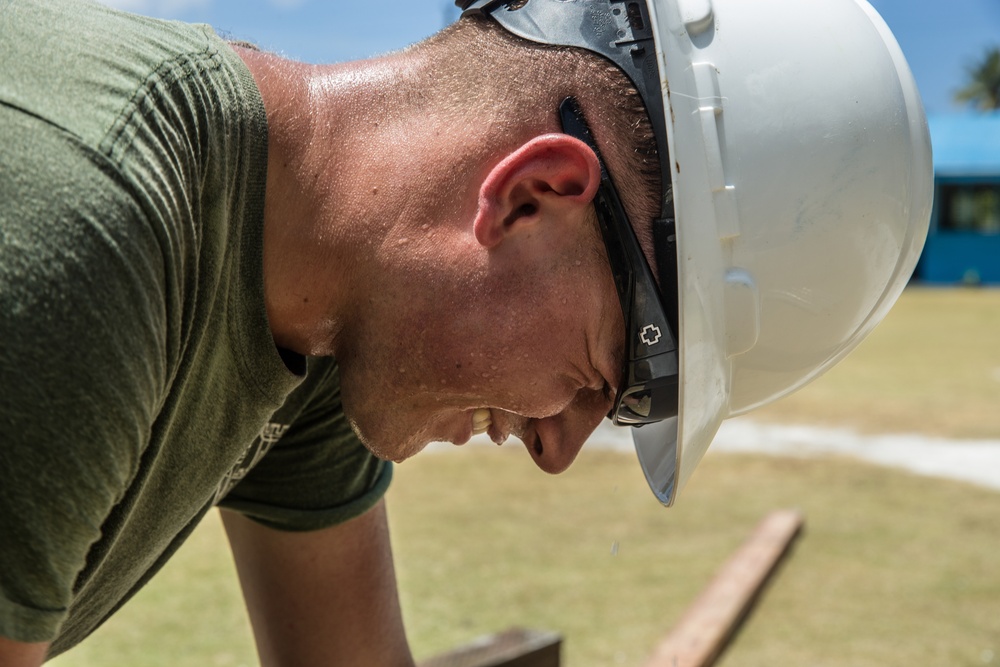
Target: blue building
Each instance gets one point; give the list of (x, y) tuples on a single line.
[(963, 244)]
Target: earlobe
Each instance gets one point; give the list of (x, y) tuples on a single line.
[(551, 174)]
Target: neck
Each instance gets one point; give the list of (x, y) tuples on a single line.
[(323, 188)]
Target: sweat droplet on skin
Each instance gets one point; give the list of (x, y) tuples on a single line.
[(403, 241)]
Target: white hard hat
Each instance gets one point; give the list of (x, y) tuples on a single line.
[(801, 174)]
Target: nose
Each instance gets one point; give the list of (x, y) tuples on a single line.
[(554, 442)]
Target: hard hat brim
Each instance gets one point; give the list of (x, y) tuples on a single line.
[(745, 300)]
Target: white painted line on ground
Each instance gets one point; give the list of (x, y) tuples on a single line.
[(974, 461)]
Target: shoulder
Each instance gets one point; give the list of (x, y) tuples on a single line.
[(77, 257), (80, 65)]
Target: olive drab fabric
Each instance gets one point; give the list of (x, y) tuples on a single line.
[(139, 383)]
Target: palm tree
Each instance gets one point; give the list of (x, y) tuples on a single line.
[(983, 89)]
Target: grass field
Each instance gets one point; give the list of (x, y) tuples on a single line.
[(892, 569)]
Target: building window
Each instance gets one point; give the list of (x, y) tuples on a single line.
[(973, 207)]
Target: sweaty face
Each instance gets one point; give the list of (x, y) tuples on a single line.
[(524, 339)]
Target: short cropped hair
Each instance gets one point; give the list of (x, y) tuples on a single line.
[(517, 78)]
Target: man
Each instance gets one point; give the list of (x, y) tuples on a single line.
[(194, 231)]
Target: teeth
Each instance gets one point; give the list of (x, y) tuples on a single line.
[(481, 421)]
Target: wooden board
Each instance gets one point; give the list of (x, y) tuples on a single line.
[(706, 627), (515, 647)]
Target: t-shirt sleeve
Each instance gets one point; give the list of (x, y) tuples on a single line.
[(79, 368), (316, 473)]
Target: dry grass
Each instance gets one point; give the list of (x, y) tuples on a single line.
[(893, 569)]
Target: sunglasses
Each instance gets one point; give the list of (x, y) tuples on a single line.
[(648, 389)]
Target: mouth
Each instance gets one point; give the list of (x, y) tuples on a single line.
[(480, 422), (483, 422)]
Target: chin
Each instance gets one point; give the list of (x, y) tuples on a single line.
[(385, 442)]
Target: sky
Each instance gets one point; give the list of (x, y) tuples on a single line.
[(940, 38)]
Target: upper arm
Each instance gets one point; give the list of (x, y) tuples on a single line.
[(80, 366), (321, 597), (19, 654)]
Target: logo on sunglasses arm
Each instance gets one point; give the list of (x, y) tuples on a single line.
[(650, 335)]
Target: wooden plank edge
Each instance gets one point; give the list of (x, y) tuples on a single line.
[(514, 647), (706, 627)]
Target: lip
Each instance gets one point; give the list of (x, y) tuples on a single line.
[(463, 433), (506, 424)]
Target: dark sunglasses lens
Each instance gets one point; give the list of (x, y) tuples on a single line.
[(649, 402), (636, 404)]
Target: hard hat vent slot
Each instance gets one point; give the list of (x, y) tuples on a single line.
[(635, 16)]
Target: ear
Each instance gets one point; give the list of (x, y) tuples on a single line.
[(551, 174)]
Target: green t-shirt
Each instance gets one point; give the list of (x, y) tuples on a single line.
[(139, 383)]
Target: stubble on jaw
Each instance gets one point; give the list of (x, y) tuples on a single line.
[(453, 334)]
